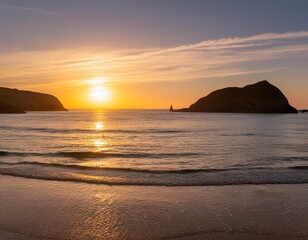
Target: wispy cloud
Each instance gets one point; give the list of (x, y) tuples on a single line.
[(207, 59), (29, 9)]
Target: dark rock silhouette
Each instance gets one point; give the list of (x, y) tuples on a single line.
[(171, 108), (304, 110), (261, 97), (18, 101), (10, 109)]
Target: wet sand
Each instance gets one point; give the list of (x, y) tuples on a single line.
[(210, 236), (36, 209), (12, 236), (239, 236)]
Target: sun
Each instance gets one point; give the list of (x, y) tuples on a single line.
[(99, 94), (98, 90)]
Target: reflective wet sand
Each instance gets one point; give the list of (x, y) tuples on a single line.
[(64, 210)]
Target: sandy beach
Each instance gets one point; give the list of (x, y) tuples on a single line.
[(209, 236), (35, 209)]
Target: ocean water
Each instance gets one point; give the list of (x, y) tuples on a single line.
[(155, 147)]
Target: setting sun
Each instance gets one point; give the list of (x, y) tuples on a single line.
[(98, 91)]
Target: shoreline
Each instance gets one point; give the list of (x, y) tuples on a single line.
[(93, 181), (143, 177)]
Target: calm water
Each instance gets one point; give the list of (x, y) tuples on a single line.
[(155, 147)]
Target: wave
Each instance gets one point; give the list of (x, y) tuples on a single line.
[(299, 167), (272, 160), (247, 135), (104, 155), (123, 155), (146, 177), (89, 154), (296, 158), (3, 153), (96, 180), (138, 170), (82, 130), (20, 154)]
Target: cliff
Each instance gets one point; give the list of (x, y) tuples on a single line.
[(10, 109), (18, 101), (261, 97)]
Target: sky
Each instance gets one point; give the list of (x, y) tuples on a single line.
[(151, 54)]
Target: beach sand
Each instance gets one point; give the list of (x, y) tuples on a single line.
[(209, 236), (12, 236), (37, 209)]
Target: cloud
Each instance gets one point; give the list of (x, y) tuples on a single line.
[(29, 9), (207, 59)]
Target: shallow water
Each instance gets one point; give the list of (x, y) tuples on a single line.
[(144, 147)]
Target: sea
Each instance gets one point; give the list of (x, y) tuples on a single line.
[(155, 147)]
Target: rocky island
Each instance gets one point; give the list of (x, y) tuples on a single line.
[(261, 97), (19, 101)]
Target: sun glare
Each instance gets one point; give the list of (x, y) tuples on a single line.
[(99, 94), (98, 91)]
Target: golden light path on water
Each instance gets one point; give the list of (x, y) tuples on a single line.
[(98, 142), (99, 125)]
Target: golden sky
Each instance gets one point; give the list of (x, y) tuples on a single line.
[(156, 78), (151, 54)]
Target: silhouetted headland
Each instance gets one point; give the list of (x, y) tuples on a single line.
[(304, 110), (19, 101), (261, 97), (10, 109)]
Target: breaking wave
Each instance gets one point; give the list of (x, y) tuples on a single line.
[(146, 177)]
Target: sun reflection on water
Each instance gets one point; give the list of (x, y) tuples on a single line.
[(99, 126), (100, 143)]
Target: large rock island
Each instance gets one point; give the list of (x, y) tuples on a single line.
[(18, 101), (261, 97)]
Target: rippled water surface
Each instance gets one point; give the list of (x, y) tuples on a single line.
[(144, 147)]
